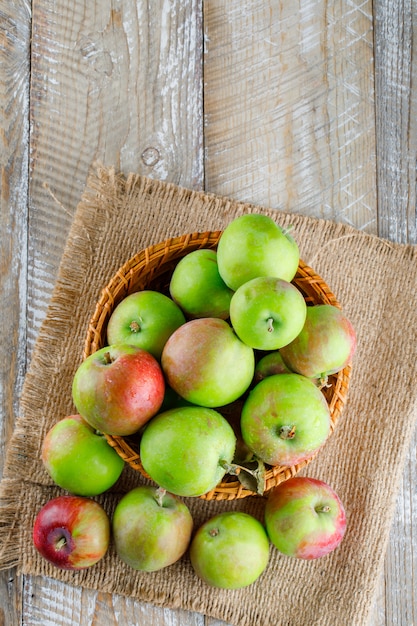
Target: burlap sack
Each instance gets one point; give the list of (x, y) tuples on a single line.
[(363, 460)]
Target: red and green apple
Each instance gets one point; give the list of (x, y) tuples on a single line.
[(305, 518)]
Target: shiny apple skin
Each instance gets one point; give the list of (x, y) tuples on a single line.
[(72, 532), (285, 419), (305, 518), (325, 345), (207, 364), (118, 389), (255, 245), (151, 530), (78, 459)]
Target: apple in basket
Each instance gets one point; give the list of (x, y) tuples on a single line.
[(285, 419), (79, 459), (187, 450), (206, 363), (325, 345), (267, 313), (151, 528), (255, 245), (118, 389), (230, 550), (72, 532), (305, 518), (145, 319), (270, 364), (197, 287)]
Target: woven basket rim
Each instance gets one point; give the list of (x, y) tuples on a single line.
[(156, 260)]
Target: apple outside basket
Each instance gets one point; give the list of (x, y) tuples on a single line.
[(152, 268)]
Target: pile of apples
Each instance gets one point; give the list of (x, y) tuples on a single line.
[(233, 329)]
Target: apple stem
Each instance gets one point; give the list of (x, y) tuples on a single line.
[(323, 508), (107, 358), (159, 496), (134, 326), (323, 381), (61, 543), (270, 321), (287, 432)]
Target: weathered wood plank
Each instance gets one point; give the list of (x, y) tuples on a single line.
[(290, 107), (120, 83), (15, 21), (396, 132)]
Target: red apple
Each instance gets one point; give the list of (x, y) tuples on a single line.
[(206, 363), (72, 532), (325, 345), (305, 518), (118, 389)]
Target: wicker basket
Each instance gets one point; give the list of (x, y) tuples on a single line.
[(151, 269)]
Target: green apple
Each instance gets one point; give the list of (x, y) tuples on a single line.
[(230, 550), (305, 518), (285, 419), (78, 459), (325, 345), (187, 450), (145, 319), (270, 364), (151, 528), (206, 363), (255, 245), (267, 313), (197, 287)]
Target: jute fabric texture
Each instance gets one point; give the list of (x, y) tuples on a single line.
[(375, 282)]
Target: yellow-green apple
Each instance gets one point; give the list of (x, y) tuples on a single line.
[(267, 313), (285, 419), (145, 319), (305, 518), (72, 532), (270, 364), (206, 363), (187, 450), (255, 245), (230, 550), (325, 345), (151, 528), (78, 459), (197, 287), (118, 389)]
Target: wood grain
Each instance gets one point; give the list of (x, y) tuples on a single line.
[(290, 106), (14, 149), (308, 106)]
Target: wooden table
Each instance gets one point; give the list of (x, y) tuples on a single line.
[(307, 105)]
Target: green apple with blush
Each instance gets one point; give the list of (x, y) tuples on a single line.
[(78, 459), (267, 313), (325, 345), (305, 518), (197, 287), (255, 245), (151, 528), (145, 319), (285, 419), (206, 363), (269, 365)]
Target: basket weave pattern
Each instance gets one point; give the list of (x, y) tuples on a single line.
[(152, 268)]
